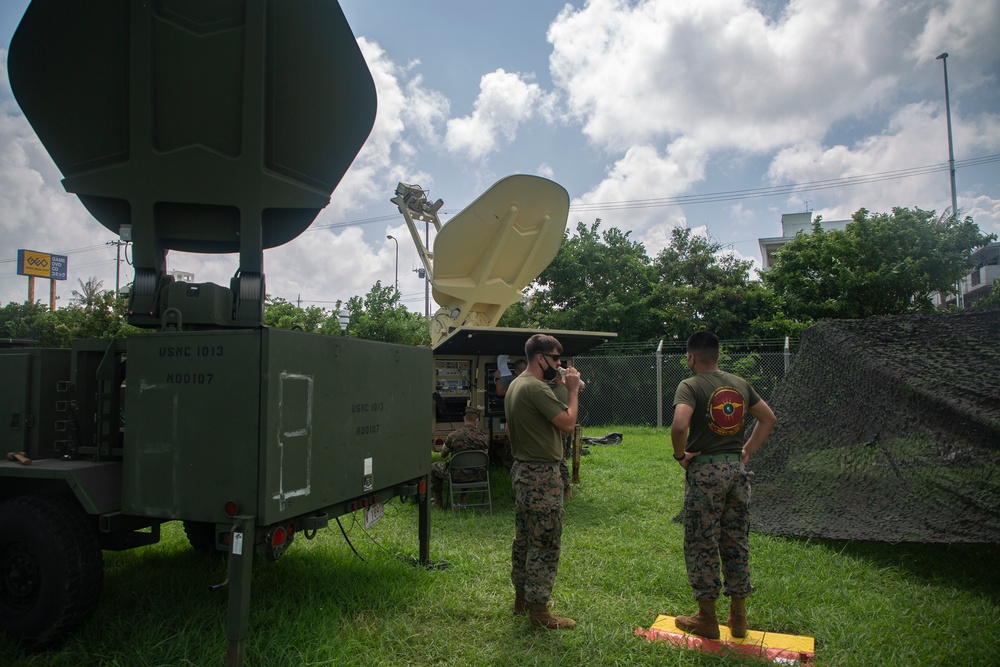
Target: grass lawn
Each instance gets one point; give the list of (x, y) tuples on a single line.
[(865, 603)]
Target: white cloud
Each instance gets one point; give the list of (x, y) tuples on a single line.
[(721, 72), (725, 77), (387, 155), (505, 101), (915, 137), (966, 29), (643, 174), (984, 210)]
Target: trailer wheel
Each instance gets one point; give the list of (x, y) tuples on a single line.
[(51, 568), (201, 535)]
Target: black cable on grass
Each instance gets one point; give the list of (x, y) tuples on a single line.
[(348, 540)]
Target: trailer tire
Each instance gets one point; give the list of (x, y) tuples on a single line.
[(51, 568), (201, 535)]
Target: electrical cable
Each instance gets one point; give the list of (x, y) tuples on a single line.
[(348, 540)]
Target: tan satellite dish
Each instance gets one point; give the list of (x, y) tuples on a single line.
[(490, 251)]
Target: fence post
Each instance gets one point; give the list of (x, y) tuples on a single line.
[(659, 385), (788, 354)]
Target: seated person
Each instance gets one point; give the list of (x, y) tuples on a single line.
[(467, 437)]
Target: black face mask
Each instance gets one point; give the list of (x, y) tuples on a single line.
[(550, 372)]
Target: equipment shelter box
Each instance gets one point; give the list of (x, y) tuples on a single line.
[(281, 422)]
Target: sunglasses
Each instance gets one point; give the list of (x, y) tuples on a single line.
[(553, 357)]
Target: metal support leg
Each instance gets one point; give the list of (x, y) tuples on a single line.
[(240, 568), (424, 524)]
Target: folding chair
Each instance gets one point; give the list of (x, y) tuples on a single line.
[(470, 460)]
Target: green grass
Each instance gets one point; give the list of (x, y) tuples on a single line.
[(865, 603)]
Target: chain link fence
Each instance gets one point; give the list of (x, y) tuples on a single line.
[(628, 389)]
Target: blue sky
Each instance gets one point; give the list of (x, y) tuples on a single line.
[(622, 103)]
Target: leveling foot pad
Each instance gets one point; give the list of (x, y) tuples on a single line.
[(785, 649)]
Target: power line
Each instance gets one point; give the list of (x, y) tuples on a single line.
[(708, 198), (731, 195), (776, 190)]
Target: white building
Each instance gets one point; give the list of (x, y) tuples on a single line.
[(182, 276), (979, 282), (792, 223)]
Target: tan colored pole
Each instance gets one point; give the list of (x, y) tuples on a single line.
[(577, 436)]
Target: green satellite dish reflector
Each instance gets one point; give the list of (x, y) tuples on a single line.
[(211, 127)]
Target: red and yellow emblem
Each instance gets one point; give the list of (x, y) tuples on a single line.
[(726, 411)]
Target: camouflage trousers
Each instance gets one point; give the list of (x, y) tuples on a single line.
[(717, 527), (439, 473), (538, 522)]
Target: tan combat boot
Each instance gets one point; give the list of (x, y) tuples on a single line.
[(737, 617), (704, 623), (520, 604), (541, 617)]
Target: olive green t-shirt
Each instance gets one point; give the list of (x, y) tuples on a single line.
[(530, 406), (721, 403)]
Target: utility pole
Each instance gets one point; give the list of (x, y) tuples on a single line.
[(951, 160), (390, 236), (118, 263), (427, 279), (951, 146)]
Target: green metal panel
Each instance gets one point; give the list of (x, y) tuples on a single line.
[(33, 400), (15, 369), (96, 484), (343, 418), (192, 424), (186, 119), (285, 423)]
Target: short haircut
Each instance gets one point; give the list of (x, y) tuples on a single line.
[(520, 363), (542, 344), (704, 345)]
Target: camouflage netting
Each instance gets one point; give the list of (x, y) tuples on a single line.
[(889, 430)]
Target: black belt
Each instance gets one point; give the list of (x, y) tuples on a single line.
[(715, 458)]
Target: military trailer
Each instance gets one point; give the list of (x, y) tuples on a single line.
[(482, 260), (466, 366), (213, 128)]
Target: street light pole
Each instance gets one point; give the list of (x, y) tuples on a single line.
[(427, 278), (951, 147), (390, 236), (951, 162)]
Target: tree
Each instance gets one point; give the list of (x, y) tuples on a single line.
[(881, 264), (380, 316), (282, 314), (89, 292), (599, 281), (990, 300), (517, 316), (28, 321), (105, 318), (702, 288)]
